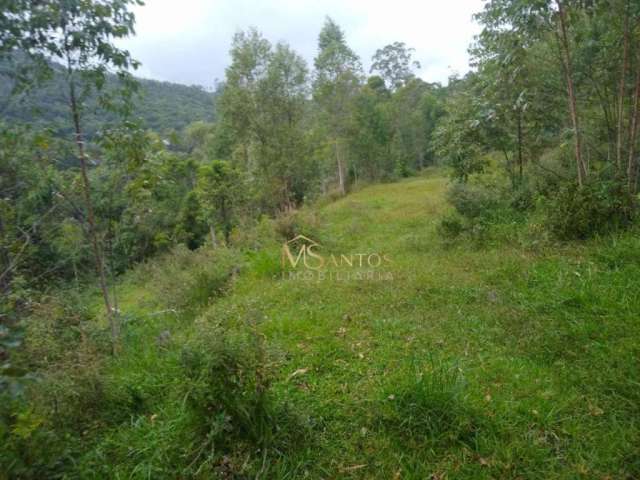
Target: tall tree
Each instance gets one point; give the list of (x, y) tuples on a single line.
[(284, 159), (567, 64), (394, 64), (264, 101), (250, 53), (336, 82), (622, 87)]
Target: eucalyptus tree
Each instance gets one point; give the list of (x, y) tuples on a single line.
[(371, 133), (512, 25), (335, 86), (265, 104), (238, 103), (412, 124), (458, 139), (592, 49), (394, 64)]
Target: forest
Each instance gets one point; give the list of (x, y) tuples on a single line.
[(148, 328), (163, 107)]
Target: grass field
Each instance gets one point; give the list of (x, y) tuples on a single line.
[(507, 360)]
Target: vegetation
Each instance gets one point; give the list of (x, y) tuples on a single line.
[(166, 108), (151, 328), (495, 361)]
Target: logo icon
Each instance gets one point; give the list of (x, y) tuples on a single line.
[(301, 260), (304, 246)]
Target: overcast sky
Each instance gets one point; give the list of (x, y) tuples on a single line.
[(187, 41)]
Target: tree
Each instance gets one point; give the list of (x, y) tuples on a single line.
[(220, 190), (264, 103), (239, 100), (458, 137), (191, 229), (371, 132), (394, 64), (563, 40), (283, 161), (30, 209), (412, 125), (337, 79), (80, 34)]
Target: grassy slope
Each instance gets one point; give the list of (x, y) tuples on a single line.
[(494, 362)]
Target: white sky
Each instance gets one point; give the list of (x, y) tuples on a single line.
[(187, 41)]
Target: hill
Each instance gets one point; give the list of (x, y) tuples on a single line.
[(162, 106), (494, 361)]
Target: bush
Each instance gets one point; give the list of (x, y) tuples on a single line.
[(55, 328), (217, 415), (189, 279), (522, 198), (229, 387), (451, 226), (479, 208), (256, 235), (296, 222), (575, 212), (41, 429), (473, 201), (29, 449)]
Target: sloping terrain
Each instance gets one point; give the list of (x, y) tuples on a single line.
[(471, 362), (162, 106)]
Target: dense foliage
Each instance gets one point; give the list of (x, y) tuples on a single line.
[(554, 102), (161, 106)]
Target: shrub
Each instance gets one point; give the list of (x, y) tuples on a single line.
[(41, 429), (522, 198), (473, 201), (451, 226), (54, 329), (189, 279), (29, 450), (228, 377), (574, 212), (478, 208), (296, 222), (487, 208), (217, 417), (255, 235), (229, 385)]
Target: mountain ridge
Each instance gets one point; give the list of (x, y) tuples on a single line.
[(161, 106)]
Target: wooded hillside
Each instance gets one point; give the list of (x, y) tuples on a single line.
[(163, 107)]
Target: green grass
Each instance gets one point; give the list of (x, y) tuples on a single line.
[(500, 361)]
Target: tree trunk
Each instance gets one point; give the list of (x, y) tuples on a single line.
[(632, 165), (355, 174), (91, 224), (212, 233), (75, 274), (5, 262), (509, 167), (340, 169), (573, 108), (520, 160), (625, 66)]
